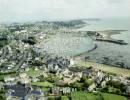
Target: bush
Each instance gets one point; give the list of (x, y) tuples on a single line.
[(2, 97), (77, 85), (3, 43), (88, 82), (30, 40), (37, 63), (54, 98)]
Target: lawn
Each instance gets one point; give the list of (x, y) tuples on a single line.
[(58, 98), (34, 73), (45, 89), (64, 98), (91, 96), (107, 96), (82, 96), (2, 75), (42, 84), (105, 68)]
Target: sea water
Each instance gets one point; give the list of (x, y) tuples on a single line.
[(67, 44), (118, 53)]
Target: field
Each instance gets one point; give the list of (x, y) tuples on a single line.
[(64, 98), (82, 96), (107, 96), (105, 68), (2, 75), (91, 96), (34, 73), (42, 84)]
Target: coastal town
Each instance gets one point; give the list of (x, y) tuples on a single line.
[(27, 72)]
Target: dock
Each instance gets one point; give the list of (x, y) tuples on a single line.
[(121, 42)]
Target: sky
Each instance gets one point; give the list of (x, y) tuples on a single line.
[(29, 10)]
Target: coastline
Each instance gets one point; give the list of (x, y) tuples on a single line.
[(107, 40), (78, 55), (107, 36), (94, 54), (106, 68)]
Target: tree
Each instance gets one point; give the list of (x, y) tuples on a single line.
[(99, 97), (31, 40), (88, 81), (37, 63), (2, 95)]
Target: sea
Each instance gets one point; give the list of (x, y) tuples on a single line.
[(114, 53)]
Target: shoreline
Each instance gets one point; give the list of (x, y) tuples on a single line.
[(106, 36), (108, 40), (105, 68), (78, 55), (108, 33)]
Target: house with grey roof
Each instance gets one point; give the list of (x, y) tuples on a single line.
[(23, 92)]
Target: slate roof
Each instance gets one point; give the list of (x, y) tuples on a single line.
[(35, 92), (22, 91), (19, 90)]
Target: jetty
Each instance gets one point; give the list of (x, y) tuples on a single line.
[(121, 42)]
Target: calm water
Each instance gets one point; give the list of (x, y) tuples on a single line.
[(67, 45), (115, 52), (108, 24)]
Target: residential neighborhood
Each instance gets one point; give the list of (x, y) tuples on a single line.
[(27, 72)]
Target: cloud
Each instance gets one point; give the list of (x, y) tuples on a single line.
[(23, 10)]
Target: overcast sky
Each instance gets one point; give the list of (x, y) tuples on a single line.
[(26, 10)]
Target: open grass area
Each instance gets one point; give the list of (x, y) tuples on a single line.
[(107, 96), (45, 89), (42, 84), (64, 98), (82, 96), (105, 68), (2, 75), (91, 96), (34, 73)]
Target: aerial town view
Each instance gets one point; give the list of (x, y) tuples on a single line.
[(64, 50)]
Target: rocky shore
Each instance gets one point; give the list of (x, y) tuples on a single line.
[(106, 36), (107, 51)]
